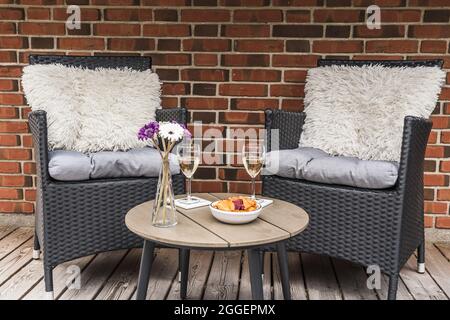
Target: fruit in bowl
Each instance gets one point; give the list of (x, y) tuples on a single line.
[(235, 210)]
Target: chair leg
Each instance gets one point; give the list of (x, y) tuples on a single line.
[(393, 285), (261, 254), (184, 271), (36, 247), (255, 274), (284, 270), (144, 269), (48, 279), (421, 258)]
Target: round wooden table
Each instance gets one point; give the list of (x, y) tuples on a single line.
[(198, 229)]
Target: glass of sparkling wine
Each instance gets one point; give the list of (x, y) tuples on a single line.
[(253, 156), (189, 159)]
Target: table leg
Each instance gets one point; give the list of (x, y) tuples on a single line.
[(284, 270), (144, 270), (254, 264), (184, 270)]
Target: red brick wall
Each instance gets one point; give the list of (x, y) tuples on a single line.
[(226, 61)]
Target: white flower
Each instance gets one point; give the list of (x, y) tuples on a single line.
[(171, 131)]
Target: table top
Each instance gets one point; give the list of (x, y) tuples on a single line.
[(197, 228)]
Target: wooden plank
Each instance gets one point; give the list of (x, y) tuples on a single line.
[(297, 283), (95, 275), (185, 233), (15, 260), (14, 240), (223, 280), (22, 282), (321, 284), (402, 291), (60, 277), (123, 282), (421, 286), (199, 265), (245, 288), (444, 248), (164, 271), (438, 266), (293, 218), (5, 230), (353, 281)]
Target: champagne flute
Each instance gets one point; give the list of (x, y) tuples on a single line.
[(189, 159), (253, 156)]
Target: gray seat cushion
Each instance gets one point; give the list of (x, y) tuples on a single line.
[(76, 166), (316, 165)]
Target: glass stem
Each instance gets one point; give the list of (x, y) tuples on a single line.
[(253, 189), (189, 189)]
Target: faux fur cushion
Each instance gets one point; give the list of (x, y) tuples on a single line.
[(359, 111), (92, 110)]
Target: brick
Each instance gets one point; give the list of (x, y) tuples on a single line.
[(166, 30), (85, 29), (169, 102), (258, 16), (16, 181), (443, 194), (298, 3), (246, 60), (297, 31), (205, 59), (326, 46), (7, 28), (437, 152), (428, 3), (443, 222), (204, 75), (238, 187), (42, 43), (206, 45), (9, 167), (166, 15), (445, 94), (166, 3), (428, 194), (206, 30), (11, 194), (10, 71), (42, 28), (30, 195), (251, 90), (337, 31), (204, 117), (253, 104), (338, 3), (204, 3), (13, 42), (240, 31), (241, 117), (445, 137), (346, 16), (11, 99), (16, 207), (11, 14), (259, 45), (388, 31), (392, 46), (445, 166), (81, 43), (174, 59), (8, 85), (131, 44), (15, 154), (428, 222), (116, 29), (205, 103), (429, 31), (295, 76), (256, 75), (205, 15), (7, 56), (128, 14), (205, 173), (435, 180), (169, 45), (433, 46), (297, 46), (440, 15), (400, 15), (293, 105), (175, 88), (208, 186), (287, 90), (299, 16), (13, 127), (204, 89), (250, 3), (87, 14), (27, 141), (432, 139), (282, 60), (436, 207), (9, 141), (440, 122)]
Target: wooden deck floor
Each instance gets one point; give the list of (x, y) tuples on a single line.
[(219, 275)]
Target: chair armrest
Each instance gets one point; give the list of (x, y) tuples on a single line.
[(289, 129), (37, 121), (177, 114)]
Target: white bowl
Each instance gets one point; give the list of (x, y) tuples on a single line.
[(235, 217)]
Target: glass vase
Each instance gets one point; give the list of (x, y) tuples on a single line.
[(164, 212)]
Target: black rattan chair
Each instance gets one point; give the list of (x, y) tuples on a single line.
[(80, 218), (368, 227)]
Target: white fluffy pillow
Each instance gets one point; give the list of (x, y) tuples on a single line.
[(359, 111), (92, 110)]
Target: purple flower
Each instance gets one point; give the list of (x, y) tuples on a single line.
[(148, 130)]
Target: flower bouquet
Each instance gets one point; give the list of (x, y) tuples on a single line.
[(164, 136)]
